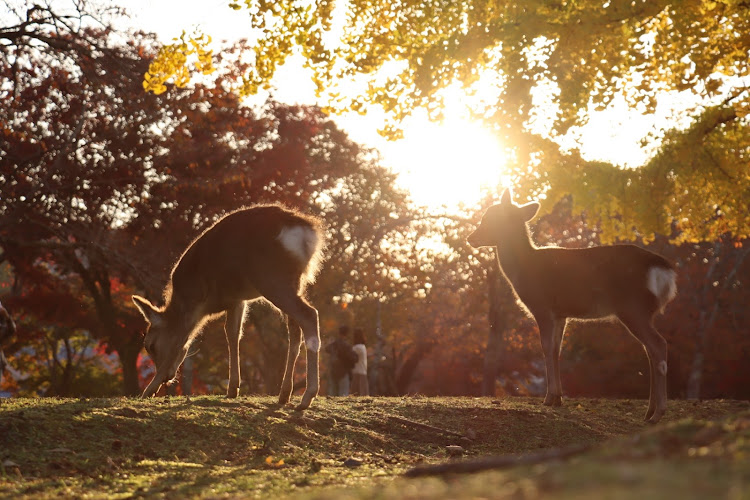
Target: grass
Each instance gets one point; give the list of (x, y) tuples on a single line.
[(212, 447)]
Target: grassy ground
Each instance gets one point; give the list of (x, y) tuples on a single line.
[(361, 447)]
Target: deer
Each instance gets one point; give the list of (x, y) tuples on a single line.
[(7, 330), (262, 252), (555, 284)]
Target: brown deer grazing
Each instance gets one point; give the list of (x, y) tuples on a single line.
[(7, 330), (554, 284), (259, 252)]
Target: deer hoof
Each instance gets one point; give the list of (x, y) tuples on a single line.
[(232, 393), (553, 401), (649, 414), (284, 399), (307, 398), (654, 419)]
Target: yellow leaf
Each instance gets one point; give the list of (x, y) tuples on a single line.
[(275, 465)]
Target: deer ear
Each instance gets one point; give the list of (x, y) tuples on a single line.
[(529, 210), (147, 309), (507, 197)]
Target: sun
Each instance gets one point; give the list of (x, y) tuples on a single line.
[(447, 164)]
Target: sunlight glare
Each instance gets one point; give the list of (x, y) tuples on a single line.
[(447, 164)]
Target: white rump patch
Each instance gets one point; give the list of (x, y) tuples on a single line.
[(663, 367), (662, 283), (306, 245), (301, 241), (312, 343)]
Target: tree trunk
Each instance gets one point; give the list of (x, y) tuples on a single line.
[(376, 370), (409, 367), (693, 390), (187, 377), (128, 354), (493, 352)]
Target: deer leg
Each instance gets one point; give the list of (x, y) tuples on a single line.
[(295, 342), (559, 330), (306, 316), (308, 320), (233, 331), (658, 376), (656, 350), (550, 332), (651, 386)]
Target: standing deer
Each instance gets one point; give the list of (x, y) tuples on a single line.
[(7, 330), (259, 252), (554, 284)]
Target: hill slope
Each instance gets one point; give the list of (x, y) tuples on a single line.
[(213, 447)]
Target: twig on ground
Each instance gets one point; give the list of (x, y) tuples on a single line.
[(496, 462), (427, 427)]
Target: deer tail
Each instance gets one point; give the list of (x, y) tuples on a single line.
[(662, 282)]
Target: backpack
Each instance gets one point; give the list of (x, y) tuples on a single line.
[(347, 357)]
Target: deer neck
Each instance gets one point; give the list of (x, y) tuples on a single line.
[(182, 317), (515, 254)]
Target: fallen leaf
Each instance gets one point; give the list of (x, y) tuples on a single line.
[(275, 465)]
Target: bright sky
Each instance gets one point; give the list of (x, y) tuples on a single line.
[(440, 164)]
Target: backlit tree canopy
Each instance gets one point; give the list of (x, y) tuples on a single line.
[(535, 69), (103, 185)]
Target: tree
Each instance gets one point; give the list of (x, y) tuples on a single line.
[(60, 175), (54, 352), (715, 273), (106, 184), (548, 65)]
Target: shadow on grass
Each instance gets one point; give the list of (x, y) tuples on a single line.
[(162, 444)]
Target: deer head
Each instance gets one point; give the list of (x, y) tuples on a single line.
[(500, 220), (166, 344)]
